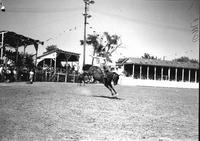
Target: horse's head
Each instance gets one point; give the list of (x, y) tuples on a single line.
[(115, 78)]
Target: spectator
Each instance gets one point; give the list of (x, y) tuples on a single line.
[(8, 74), (31, 74), (15, 74), (1, 73)]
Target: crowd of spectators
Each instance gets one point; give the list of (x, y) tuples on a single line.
[(8, 73), (11, 73)]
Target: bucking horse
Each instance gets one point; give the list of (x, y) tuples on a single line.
[(94, 74)]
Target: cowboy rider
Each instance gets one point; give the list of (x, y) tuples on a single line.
[(103, 65)]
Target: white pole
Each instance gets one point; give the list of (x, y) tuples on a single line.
[(85, 24), (2, 42), (199, 25)]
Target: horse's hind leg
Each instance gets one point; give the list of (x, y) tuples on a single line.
[(110, 89), (79, 82), (113, 89)]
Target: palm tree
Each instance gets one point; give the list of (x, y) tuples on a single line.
[(104, 45)]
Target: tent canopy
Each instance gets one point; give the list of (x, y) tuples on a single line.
[(15, 40)]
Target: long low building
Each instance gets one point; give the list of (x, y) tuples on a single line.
[(152, 69)]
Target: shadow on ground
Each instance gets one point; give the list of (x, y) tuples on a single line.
[(109, 97)]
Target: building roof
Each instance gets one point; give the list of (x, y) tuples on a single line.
[(61, 55), (15, 40), (153, 62)]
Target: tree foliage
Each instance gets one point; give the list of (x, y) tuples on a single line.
[(148, 56), (50, 48), (26, 60), (186, 60), (103, 45)]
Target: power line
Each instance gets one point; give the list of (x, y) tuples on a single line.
[(41, 11), (141, 21), (61, 33)]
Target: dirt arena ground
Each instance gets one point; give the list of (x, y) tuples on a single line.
[(47, 111)]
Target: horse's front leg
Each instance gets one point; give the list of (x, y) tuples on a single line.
[(83, 82), (107, 86), (111, 87)]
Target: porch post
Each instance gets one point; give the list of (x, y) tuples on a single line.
[(155, 73), (50, 63), (189, 75), (162, 73), (58, 75), (2, 52), (25, 49), (36, 54), (36, 50), (133, 70), (182, 74), (195, 75), (55, 63), (140, 72), (176, 74), (169, 70), (147, 72), (16, 55), (24, 58), (43, 63), (67, 71)]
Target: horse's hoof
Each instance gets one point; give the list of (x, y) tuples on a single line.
[(116, 94)]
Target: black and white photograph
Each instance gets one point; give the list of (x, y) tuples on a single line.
[(99, 70)]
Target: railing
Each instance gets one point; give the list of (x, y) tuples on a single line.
[(59, 76)]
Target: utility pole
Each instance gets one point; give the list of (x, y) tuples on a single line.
[(199, 26), (2, 44), (87, 3), (2, 6), (2, 34)]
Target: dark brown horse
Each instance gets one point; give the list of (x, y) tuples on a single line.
[(96, 74)]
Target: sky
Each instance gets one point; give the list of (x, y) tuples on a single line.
[(161, 28)]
